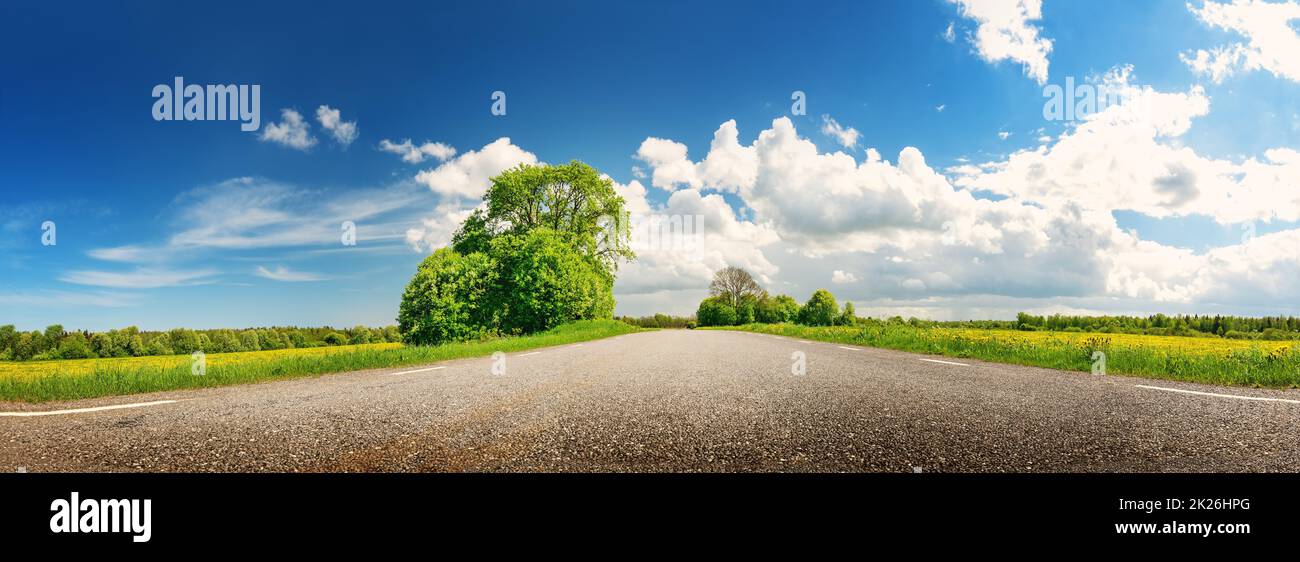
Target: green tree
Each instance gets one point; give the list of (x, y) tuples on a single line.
[(160, 345), (571, 199), (448, 299), (102, 344), (543, 283), (848, 317), (74, 346), (249, 340), (820, 310), (8, 337), (715, 311), (24, 347), (335, 338), (734, 285), (184, 341)]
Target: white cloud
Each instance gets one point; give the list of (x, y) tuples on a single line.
[(436, 231), (1129, 157), (344, 132), (939, 108), (292, 131), (52, 299), (1272, 42), (413, 154), (139, 278), (949, 34), (1004, 135), (282, 273), (469, 175), (670, 163), (840, 277), (1004, 33), (846, 136)]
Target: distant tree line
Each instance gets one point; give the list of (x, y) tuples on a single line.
[(735, 298), (1237, 327), (56, 343), (659, 321)]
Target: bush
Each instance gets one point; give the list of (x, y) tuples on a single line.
[(335, 338), (820, 310), (449, 299), (543, 282), (714, 311), (777, 310)]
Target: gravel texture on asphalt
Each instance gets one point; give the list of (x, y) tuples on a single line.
[(673, 400)]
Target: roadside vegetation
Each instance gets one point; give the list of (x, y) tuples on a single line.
[(1224, 350), (57, 343), (39, 381)]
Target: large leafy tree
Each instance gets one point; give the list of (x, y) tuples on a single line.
[(573, 200), (543, 250), (734, 285)]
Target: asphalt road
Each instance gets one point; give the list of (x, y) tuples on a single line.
[(672, 401)]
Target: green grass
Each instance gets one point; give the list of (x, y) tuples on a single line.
[(1169, 359), (109, 380)]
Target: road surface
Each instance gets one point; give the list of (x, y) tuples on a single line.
[(672, 400)]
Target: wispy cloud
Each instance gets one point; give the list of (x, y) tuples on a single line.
[(282, 273), (139, 278), (413, 154), (67, 299), (846, 136)]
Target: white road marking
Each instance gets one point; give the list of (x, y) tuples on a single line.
[(848, 348), (944, 362), (421, 370), (527, 354), (1217, 395), (576, 345), (86, 410), (801, 341)]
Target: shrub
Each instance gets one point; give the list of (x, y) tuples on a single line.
[(543, 282), (820, 310), (448, 299), (335, 338), (74, 346), (714, 311)]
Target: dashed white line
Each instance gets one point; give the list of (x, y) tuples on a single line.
[(527, 354), (421, 370), (86, 410), (848, 348), (944, 362), (1217, 395), (802, 341)]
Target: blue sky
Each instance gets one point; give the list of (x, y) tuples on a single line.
[(593, 81)]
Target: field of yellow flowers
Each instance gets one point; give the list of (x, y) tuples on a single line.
[(1195, 359), (38, 381)]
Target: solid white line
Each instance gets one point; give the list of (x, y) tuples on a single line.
[(527, 354), (848, 348), (86, 410), (1217, 395), (801, 341), (945, 362), (421, 370)]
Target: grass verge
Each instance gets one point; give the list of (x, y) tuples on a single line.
[(111, 377), (1167, 358)]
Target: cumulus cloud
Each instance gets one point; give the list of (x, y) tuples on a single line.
[(1004, 32), (469, 175), (1128, 157), (917, 236), (840, 277), (1269, 28), (292, 131), (413, 154), (343, 132)]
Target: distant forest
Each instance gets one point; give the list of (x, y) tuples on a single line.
[(56, 343)]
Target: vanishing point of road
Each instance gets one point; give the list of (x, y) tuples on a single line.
[(672, 400)]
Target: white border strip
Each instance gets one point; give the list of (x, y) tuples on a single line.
[(421, 370), (848, 348), (1217, 395), (527, 354), (85, 410), (944, 362)]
